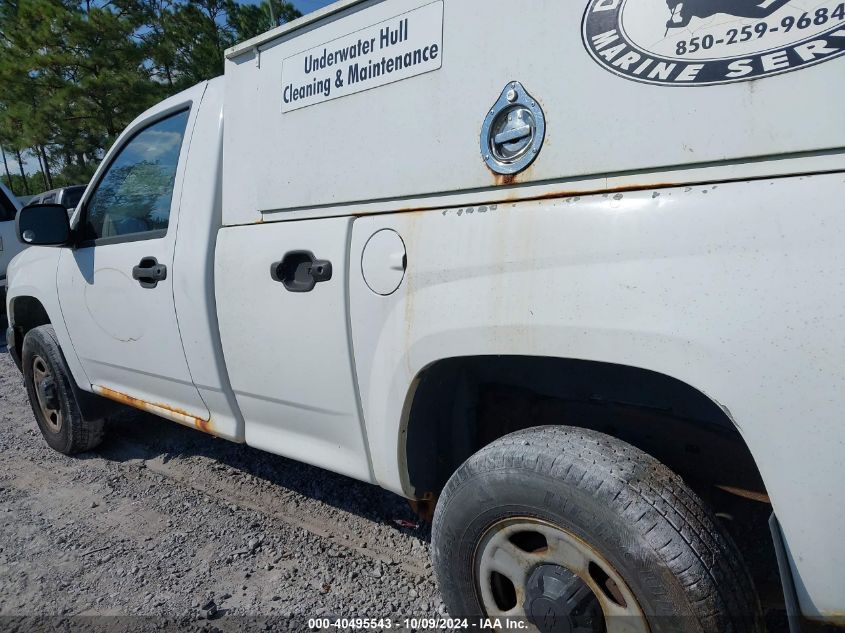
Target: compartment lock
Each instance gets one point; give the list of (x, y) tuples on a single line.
[(513, 131)]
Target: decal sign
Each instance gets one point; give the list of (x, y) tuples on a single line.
[(706, 42), (405, 46)]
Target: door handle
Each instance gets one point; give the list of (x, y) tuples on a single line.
[(149, 272), (300, 271)]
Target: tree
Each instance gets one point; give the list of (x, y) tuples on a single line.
[(190, 38), (201, 36), (73, 77), (251, 20), (74, 73)]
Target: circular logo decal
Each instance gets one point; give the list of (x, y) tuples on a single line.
[(706, 42)]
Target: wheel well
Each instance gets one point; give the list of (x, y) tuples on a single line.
[(25, 314), (462, 404)]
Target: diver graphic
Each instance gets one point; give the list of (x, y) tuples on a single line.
[(684, 10)]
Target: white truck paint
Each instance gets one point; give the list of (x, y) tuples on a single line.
[(692, 232)]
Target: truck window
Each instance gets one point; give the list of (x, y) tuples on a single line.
[(7, 209), (132, 199)]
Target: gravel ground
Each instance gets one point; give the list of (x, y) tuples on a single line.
[(163, 527), (167, 522)]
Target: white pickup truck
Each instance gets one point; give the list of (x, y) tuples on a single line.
[(570, 276)]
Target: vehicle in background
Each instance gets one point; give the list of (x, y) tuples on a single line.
[(68, 197), (25, 200), (9, 244)]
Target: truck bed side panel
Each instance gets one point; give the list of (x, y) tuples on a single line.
[(736, 290)]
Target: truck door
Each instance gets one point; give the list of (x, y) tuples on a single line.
[(116, 287), (285, 332)]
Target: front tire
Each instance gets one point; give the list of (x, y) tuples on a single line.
[(53, 397), (558, 523)]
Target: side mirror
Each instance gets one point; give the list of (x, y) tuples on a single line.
[(43, 225)]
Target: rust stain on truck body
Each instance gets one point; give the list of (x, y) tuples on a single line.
[(171, 413)]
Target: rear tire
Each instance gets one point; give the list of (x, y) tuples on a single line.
[(53, 396), (581, 510)]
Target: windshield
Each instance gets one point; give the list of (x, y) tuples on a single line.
[(72, 196)]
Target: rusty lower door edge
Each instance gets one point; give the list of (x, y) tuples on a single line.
[(162, 410)]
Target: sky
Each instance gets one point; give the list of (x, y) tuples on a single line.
[(304, 6)]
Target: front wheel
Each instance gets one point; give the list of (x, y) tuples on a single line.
[(572, 530), (52, 395)]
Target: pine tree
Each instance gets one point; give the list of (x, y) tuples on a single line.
[(74, 73)]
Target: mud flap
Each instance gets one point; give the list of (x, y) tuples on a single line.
[(793, 612)]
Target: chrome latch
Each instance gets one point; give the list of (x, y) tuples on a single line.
[(513, 131)]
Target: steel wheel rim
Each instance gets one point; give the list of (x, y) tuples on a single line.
[(520, 548), (45, 392)]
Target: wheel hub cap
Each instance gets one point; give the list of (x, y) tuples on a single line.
[(558, 582), (557, 601), (47, 394)]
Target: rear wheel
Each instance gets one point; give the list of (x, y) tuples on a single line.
[(53, 397), (576, 531)]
